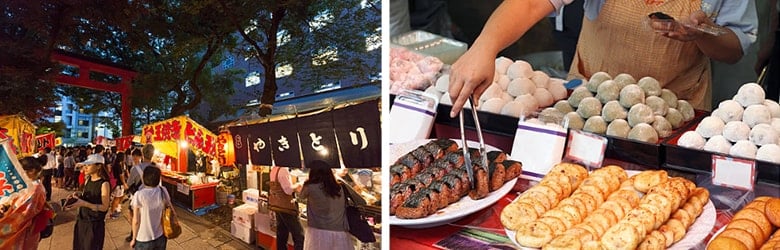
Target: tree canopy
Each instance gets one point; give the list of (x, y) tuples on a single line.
[(175, 46)]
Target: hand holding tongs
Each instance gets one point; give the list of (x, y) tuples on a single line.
[(466, 155)]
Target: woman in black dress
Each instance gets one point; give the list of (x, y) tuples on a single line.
[(90, 229)]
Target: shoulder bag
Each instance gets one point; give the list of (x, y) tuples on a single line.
[(278, 200), (358, 226), (171, 227)]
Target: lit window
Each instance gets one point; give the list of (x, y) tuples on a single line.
[(57, 118), (285, 95), (284, 70), (320, 20), (374, 40), (328, 86), (375, 77), (282, 37), (249, 29), (324, 56), (365, 4), (252, 79)]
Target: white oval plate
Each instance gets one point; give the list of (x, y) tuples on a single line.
[(695, 235), (455, 211)]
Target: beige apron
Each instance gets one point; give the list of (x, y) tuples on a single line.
[(621, 41)]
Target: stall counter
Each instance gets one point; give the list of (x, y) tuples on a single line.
[(192, 197)]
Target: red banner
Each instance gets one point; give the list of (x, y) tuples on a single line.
[(44, 141), (124, 142), (181, 129), (225, 152)]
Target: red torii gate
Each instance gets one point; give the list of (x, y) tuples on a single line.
[(86, 66)]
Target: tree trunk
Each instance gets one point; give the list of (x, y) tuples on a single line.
[(268, 97)]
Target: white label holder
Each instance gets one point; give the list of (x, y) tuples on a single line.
[(412, 116), (538, 147)]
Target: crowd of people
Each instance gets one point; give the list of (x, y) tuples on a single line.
[(101, 179)]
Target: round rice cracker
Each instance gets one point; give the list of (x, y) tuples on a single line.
[(657, 214), (580, 233), (692, 209), (600, 181), (674, 197), (629, 195), (599, 221), (587, 199), (677, 228), (594, 192), (564, 242), (756, 216), (609, 215), (516, 214), (567, 219), (534, 234), (622, 236), (660, 202), (574, 212), (592, 231), (653, 241), (614, 207), (576, 173), (726, 243), (555, 224), (760, 205), (576, 203), (683, 217), (644, 216), (616, 171), (545, 195), (740, 235), (560, 183), (750, 227)]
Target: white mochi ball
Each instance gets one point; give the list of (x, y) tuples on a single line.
[(718, 144), (574, 120), (503, 81), (493, 105), (540, 79), (507, 97), (519, 69), (686, 109), (618, 128), (521, 86), (763, 134), (736, 131), (710, 126), (516, 109), (543, 97), (530, 102), (744, 149), (756, 114), (556, 88), (650, 85), (773, 107), (643, 132), (729, 110), (596, 80), (443, 83), (492, 91), (640, 113), (776, 124), (769, 153), (630, 95), (502, 65), (691, 139), (750, 94)]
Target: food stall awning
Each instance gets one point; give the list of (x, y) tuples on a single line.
[(349, 135), (167, 135), (21, 132)]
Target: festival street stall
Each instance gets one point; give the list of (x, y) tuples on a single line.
[(346, 136), (613, 161), (179, 141), (21, 132)]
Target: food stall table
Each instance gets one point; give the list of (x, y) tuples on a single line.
[(196, 198), (488, 219)]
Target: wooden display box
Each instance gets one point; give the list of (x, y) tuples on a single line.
[(700, 161)]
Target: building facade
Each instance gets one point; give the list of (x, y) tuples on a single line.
[(80, 128)]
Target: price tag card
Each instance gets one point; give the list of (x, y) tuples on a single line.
[(183, 188), (586, 148), (538, 147), (733, 173)]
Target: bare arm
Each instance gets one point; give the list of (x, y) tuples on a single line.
[(473, 72), (725, 48), (136, 223)]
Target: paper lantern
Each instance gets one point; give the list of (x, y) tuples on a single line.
[(225, 152)]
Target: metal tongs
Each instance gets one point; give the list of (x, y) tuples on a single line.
[(466, 155)]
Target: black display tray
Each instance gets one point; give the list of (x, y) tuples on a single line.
[(700, 161)]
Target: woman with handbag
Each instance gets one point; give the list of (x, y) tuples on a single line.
[(325, 210), (90, 230), (149, 204), (280, 199)]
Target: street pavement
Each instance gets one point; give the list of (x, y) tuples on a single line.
[(197, 233)]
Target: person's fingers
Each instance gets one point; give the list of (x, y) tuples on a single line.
[(698, 17), (456, 86), (478, 91)]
